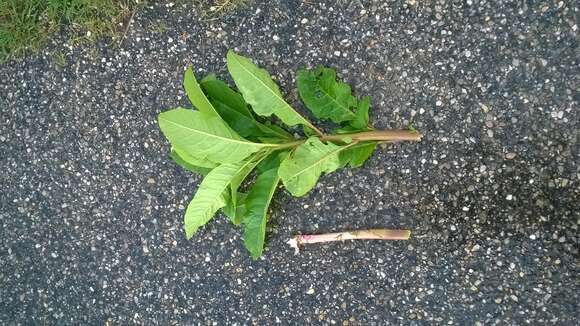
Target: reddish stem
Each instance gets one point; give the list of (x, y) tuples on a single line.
[(372, 234)]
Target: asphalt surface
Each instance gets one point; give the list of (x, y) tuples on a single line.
[(91, 207)]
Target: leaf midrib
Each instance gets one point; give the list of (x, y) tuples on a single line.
[(320, 160), (216, 136), (226, 184), (270, 90), (270, 194), (335, 101)]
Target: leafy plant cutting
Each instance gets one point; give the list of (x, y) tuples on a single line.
[(229, 135)]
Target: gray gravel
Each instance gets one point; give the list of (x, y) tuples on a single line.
[(91, 207)]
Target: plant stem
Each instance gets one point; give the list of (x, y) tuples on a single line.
[(289, 144), (377, 234), (388, 136), (378, 135)]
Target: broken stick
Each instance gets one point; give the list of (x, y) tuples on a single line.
[(376, 234)]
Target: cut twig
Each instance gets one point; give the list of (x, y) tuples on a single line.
[(372, 234)]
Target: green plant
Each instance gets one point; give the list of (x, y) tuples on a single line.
[(27, 24), (224, 141)]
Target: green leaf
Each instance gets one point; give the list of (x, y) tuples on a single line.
[(300, 171), (217, 90), (358, 154), (195, 94), (189, 163), (361, 121), (240, 208), (345, 130), (272, 161), (260, 91), (237, 181), (213, 193), (256, 216), (234, 110), (278, 131), (206, 137), (324, 96)]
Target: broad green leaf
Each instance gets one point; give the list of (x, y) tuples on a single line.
[(213, 194), (220, 92), (256, 216), (272, 161), (234, 110), (325, 96), (206, 137), (187, 162), (358, 154), (260, 91), (195, 94), (361, 121), (240, 208), (273, 140), (278, 130), (192, 159), (237, 181), (300, 171)]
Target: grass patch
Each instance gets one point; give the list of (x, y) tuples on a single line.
[(220, 7), (25, 25)]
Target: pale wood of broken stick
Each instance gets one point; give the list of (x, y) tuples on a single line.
[(372, 234)]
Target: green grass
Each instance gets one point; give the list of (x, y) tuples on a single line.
[(25, 25)]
